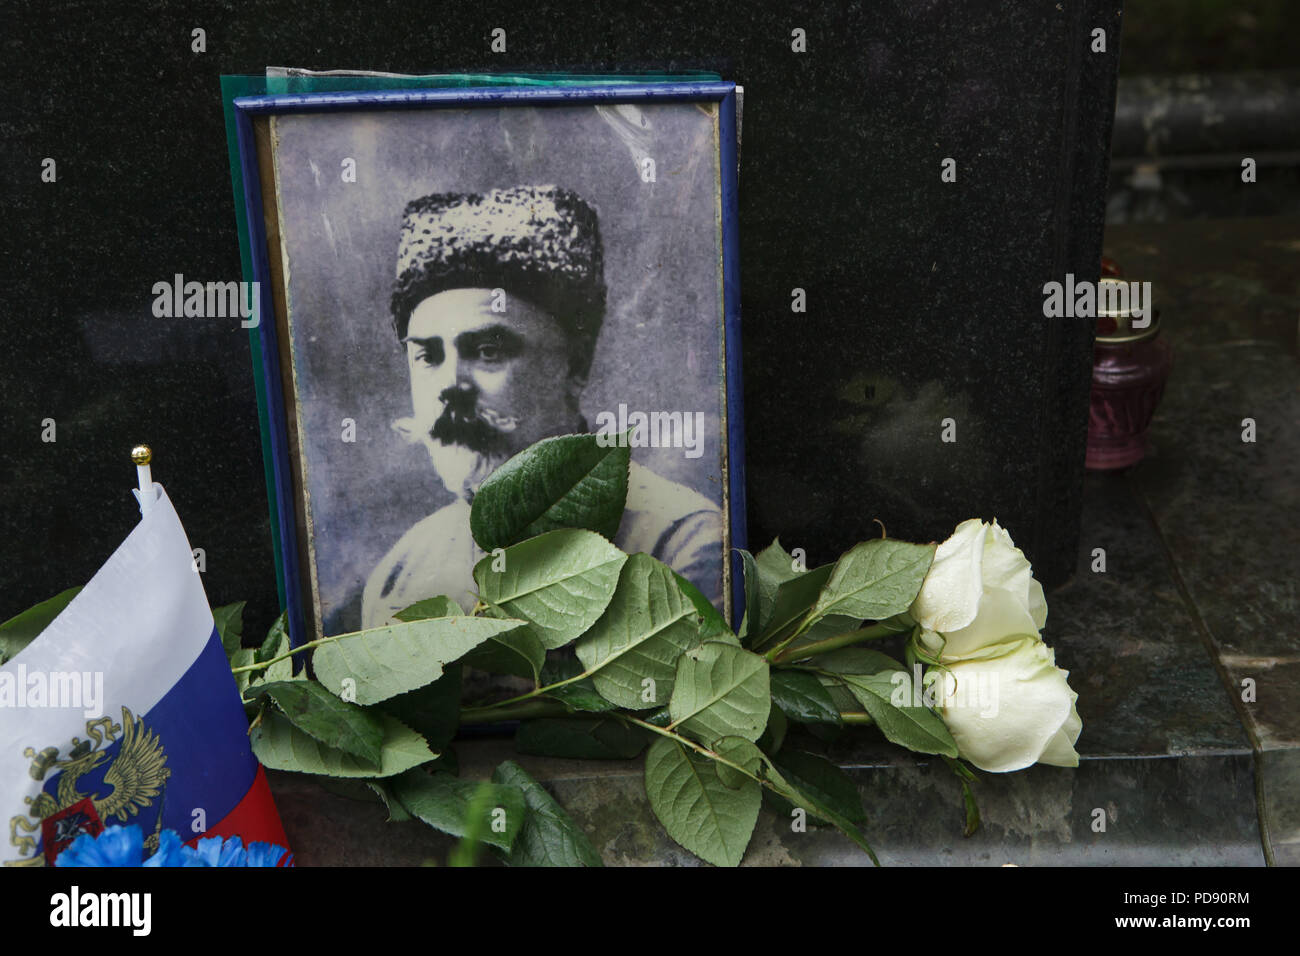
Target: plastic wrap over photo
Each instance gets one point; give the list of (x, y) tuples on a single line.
[(462, 283)]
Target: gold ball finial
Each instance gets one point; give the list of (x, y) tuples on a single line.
[(141, 454)]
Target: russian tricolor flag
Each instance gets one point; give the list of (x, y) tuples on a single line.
[(124, 711)]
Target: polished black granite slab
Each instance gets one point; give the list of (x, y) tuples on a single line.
[(922, 294), (1199, 593)]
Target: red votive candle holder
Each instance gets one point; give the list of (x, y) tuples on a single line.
[(1129, 370)]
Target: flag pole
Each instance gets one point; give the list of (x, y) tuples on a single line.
[(142, 455)]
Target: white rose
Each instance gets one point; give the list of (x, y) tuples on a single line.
[(979, 590), (1010, 707)]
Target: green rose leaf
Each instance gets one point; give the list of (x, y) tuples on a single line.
[(281, 670), (517, 652), (887, 696), (335, 723), (433, 711), (647, 626), (242, 657), (396, 812), (856, 660), (386, 661), (444, 802), (750, 622), (825, 784), (229, 620), (570, 481), (793, 601), (279, 745), (797, 797), (803, 698), (548, 837), (875, 579), (660, 717), (843, 700), (742, 753), (579, 695), (580, 738), (276, 641), (774, 567), (832, 625), (21, 629), (774, 736), (721, 691), (699, 811), (440, 606), (713, 626), (560, 582)]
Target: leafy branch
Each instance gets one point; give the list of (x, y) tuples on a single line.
[(654, 669)]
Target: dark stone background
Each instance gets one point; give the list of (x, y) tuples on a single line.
[(924, 297)]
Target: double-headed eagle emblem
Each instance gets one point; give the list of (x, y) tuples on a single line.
[(137, 776)]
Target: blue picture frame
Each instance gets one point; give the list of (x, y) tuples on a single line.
[(282, 497)]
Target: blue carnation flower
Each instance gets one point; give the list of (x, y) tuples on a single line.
[(115, 846), (124, 846), (268, 854), (214, 851), (172, 852)]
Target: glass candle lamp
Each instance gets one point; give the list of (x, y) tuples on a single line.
[(1130, 368)]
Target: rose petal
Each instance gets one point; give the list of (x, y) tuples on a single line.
[(1005, 565), (1000, 616), (1060, 750), (1004, 711), (950, 594)]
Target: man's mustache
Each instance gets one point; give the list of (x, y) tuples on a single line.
[(463, 423)]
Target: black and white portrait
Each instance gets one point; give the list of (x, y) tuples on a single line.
[(462, 283)]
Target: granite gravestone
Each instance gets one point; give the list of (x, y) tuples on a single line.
[(923, 297)]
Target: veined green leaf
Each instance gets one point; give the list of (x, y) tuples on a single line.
[(875, 579), (803, 698), (386, 661), (276, 641), (742, 753), (548, 837), (335, 723), (915, 727), (569, 481), (229, 620), (440, 606), (433, 711), (721, 691), (800, 798), (632, 650), (713, 626), (444, 802), (581, 694), (517, 652), (699, 811), (827, 785), (794, 600), (280, 745), (774, 567), (560, 582)]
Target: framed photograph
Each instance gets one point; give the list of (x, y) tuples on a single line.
[(446, 276)]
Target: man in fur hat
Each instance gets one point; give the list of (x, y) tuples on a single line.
[(498, 302)]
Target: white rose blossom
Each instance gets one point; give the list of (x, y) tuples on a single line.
[(1000, 692), (979, 589), (1011, 708)]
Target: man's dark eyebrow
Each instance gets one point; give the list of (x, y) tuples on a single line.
[(497, 334)]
